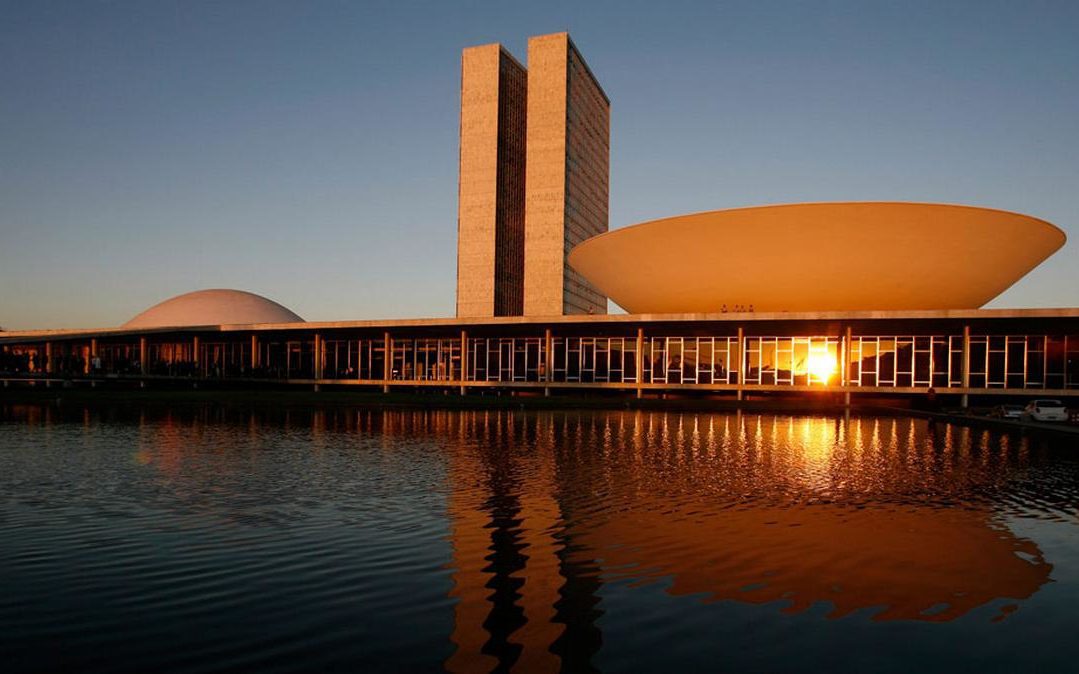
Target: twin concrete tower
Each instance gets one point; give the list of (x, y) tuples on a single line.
[(534, 179)]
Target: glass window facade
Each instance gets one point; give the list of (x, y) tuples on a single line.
[(506, 359), (691, 360), (906, 361), (792, 361), (993, 361)]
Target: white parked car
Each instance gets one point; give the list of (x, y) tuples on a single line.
[(1045, 410)]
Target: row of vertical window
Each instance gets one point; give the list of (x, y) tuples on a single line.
[(994, 361)]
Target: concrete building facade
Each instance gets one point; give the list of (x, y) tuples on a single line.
[(568, 176), (534, 180), (491, 191), (984, 354), (840, 299)]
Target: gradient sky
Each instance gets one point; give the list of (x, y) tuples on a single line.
[(308, 151)]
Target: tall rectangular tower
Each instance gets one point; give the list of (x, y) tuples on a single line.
[(534, 179), (567, 173), (491, 191)]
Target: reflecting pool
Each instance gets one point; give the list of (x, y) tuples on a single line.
[(206, 538)]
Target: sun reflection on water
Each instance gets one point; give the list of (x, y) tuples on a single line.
[(546, 514)]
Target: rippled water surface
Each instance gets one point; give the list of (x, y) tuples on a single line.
[(207, 538)]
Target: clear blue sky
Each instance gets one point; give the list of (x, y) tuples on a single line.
[(308, 151)]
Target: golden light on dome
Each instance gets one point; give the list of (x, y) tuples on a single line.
[(890, 256)]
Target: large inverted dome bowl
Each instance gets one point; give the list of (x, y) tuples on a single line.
[(817, 257), (213, 307)]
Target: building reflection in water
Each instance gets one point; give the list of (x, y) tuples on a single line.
[(895, 517), (879, 514), (526, 590)]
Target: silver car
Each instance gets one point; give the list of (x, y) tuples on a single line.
[(1045, 410), (1007, 412)]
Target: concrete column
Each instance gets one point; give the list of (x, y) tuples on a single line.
[(142, 356), (92, 355), (741, 361), (966, 365), (548, 360), (254, 351), (464, 361), (387, 361), (844, 371), (640, 362), (195, 351), (49, 369), (318, 356)]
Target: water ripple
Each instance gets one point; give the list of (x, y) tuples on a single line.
[(215, 538)]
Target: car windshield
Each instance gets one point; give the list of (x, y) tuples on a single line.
[(1048, 403)]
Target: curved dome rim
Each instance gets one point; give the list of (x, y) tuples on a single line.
[(604, 260), (600, 238), (138, 321)]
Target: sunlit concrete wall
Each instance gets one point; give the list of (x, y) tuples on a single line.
[(567, 176), (490, 221)]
